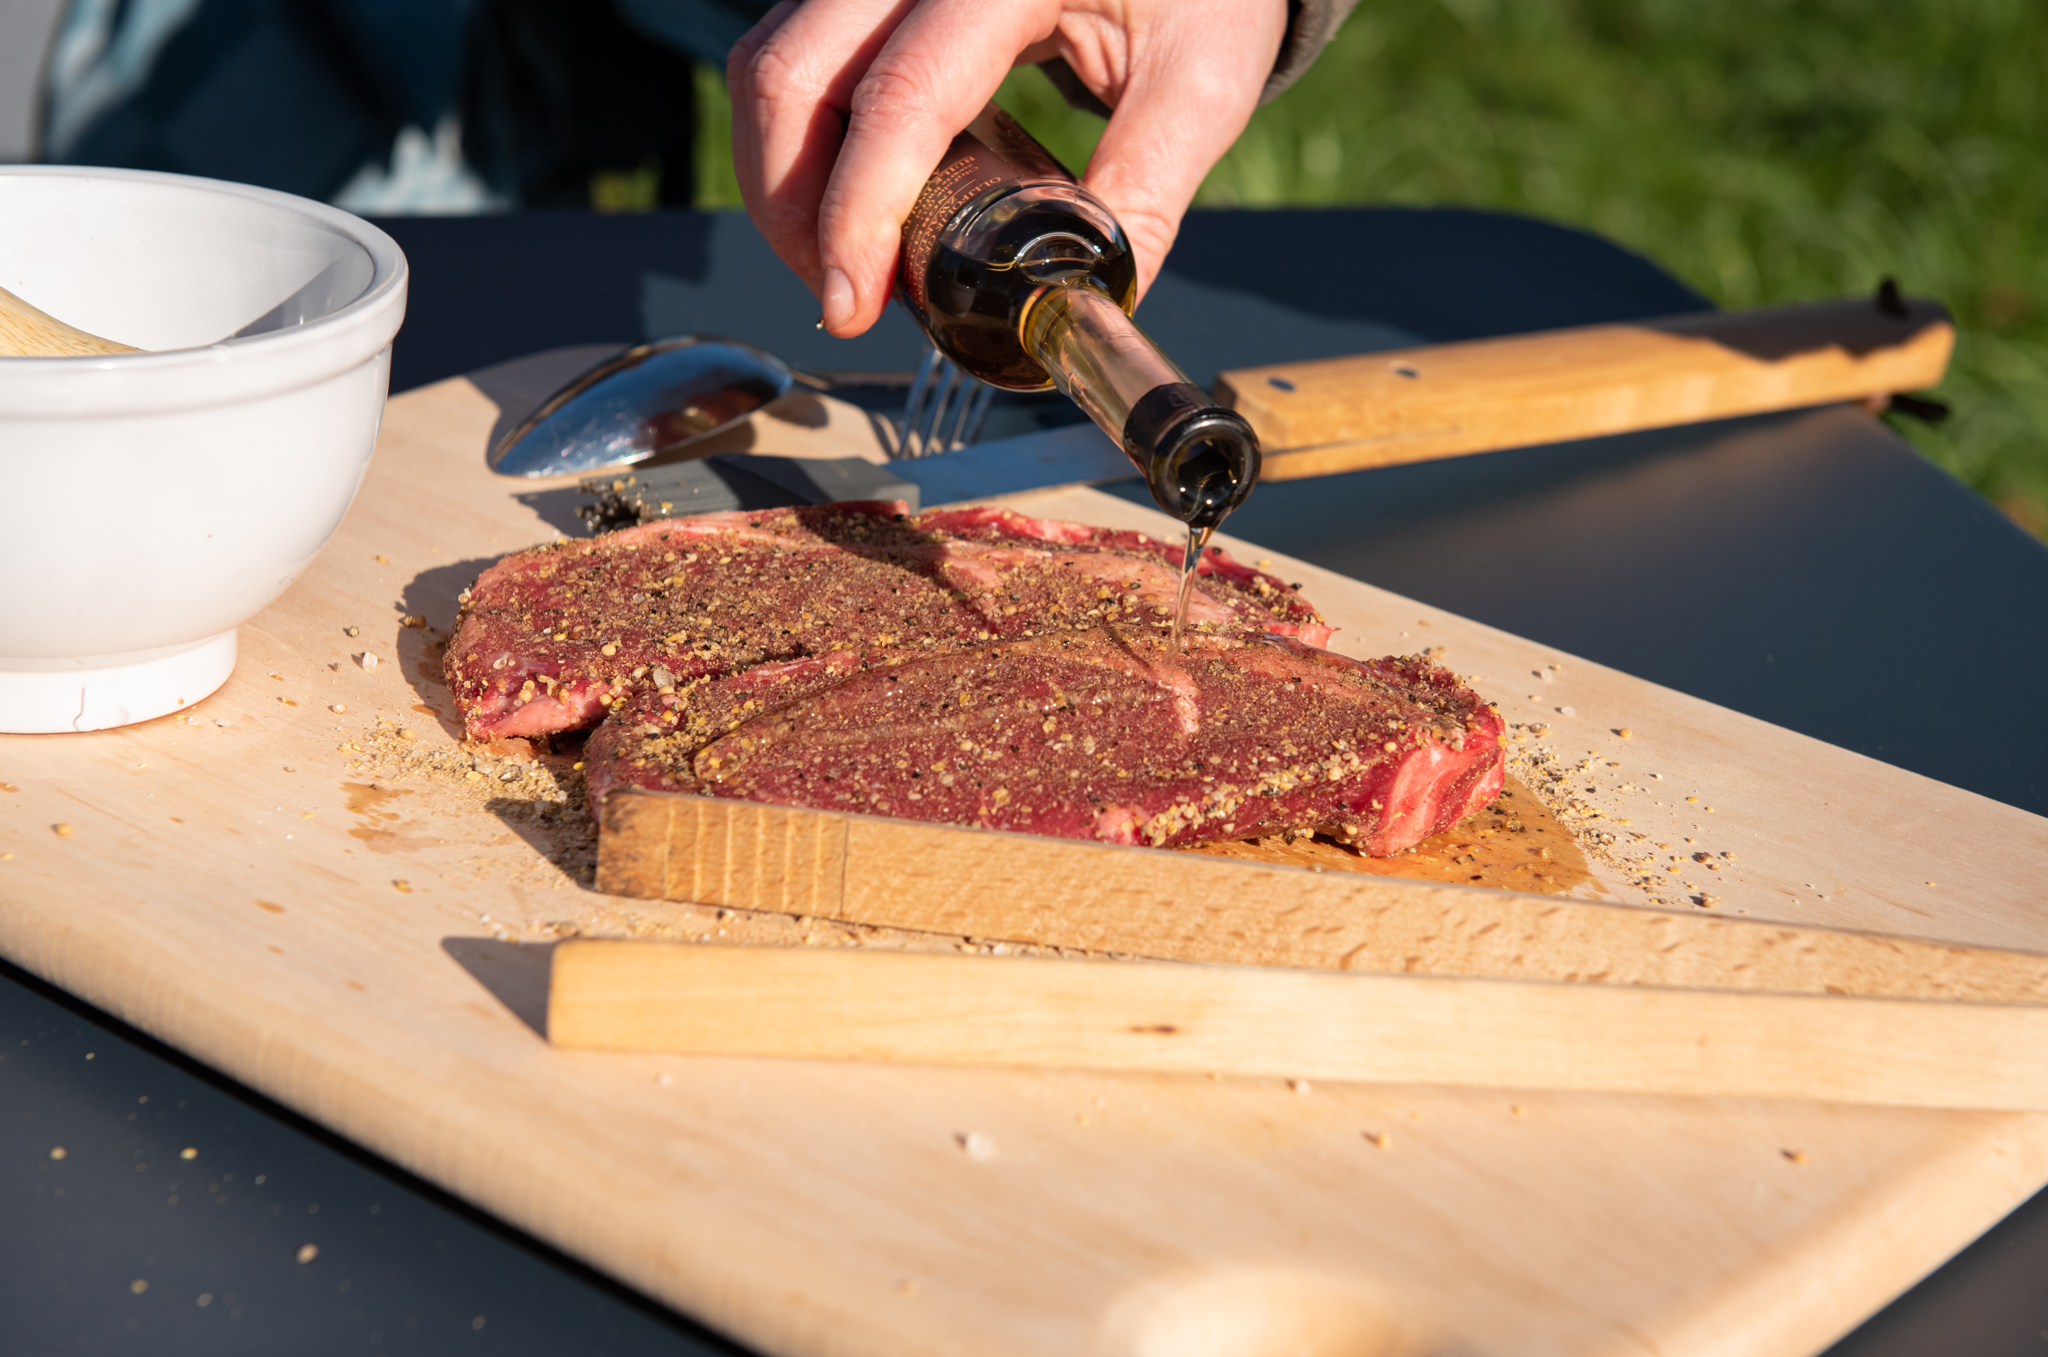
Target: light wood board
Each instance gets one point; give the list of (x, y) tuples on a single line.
[(1174, 906), (617, 994), (344, 936)]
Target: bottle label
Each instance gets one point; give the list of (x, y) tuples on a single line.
[(992, 152)]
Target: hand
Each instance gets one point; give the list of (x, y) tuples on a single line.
[(843, 108)]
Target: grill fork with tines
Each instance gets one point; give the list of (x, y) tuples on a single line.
[(945, 409)]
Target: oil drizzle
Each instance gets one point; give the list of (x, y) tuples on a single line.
[(1190, 558), (384, 831), (1515, 844)]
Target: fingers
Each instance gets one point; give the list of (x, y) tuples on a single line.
[(1191, 80), (792, 80), (746, 138), (937, 70), (842, 109)]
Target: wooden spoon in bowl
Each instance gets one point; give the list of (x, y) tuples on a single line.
[(27, 333)]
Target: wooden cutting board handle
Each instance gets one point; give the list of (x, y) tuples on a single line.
[(1444, 400), (26, 332)]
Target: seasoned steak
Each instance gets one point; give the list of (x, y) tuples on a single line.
[(1105, 734), (1290, 613), (550, 638)]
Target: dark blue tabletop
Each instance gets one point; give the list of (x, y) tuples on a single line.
[(1809, 569)]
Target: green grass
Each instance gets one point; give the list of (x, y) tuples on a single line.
[(1765, 151), (717, 186)]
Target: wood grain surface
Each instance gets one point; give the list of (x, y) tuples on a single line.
[(26, 332), (1180, 906), (358, 923), (1048, 1012), (1445, 400)]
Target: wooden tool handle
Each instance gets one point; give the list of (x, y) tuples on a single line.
[(1445, 400), (851, 1005), (1022, 888), (26, 332)]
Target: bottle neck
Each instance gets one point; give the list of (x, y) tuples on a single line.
[(1199, 459)]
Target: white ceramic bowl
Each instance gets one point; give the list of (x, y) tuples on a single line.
[(151, 502)]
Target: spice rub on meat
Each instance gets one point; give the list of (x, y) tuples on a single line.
[(550, 639), (965, 666), (1290, 613), (1104, 734)]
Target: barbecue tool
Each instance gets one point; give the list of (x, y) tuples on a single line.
[(1444, 400), (941, 393), (669, 393)]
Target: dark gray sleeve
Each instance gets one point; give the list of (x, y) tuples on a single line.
[(1310, 26), (704, 29)]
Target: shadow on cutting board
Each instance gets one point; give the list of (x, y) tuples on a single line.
[(568, 839), (516, 974), (434, 595)]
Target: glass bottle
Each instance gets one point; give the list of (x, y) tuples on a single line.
[(1024, 279)]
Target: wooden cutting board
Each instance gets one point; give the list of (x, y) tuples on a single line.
[(306, 883)]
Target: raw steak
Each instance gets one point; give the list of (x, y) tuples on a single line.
[(1291, 615), (1103, 734), (550, 638)]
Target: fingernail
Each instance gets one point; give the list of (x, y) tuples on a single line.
[(838, 298)]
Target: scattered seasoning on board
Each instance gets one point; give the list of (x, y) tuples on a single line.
[(1563, 785)]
